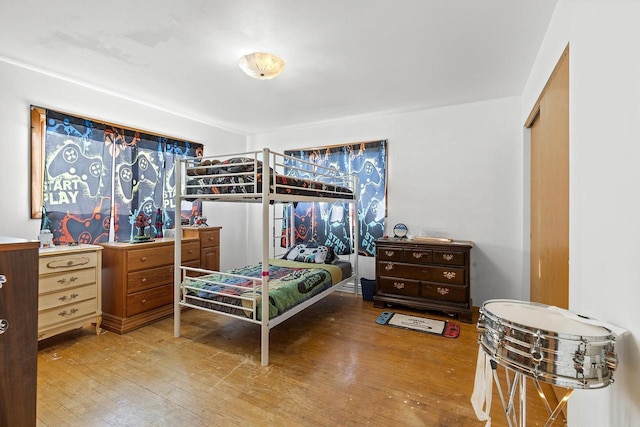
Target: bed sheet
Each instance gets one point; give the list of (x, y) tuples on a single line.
[(290, 283)]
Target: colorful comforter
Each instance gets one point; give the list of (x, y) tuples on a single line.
[(290, 283)]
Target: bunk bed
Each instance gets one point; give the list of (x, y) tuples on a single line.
[(316, 269)]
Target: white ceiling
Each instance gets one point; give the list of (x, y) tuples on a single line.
[(344, 58)]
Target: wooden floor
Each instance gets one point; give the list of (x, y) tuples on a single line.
[(331, 365)]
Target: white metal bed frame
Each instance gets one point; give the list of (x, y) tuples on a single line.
[(272, 162)]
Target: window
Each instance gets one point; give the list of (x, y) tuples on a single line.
[(97, 177), (328, 223)]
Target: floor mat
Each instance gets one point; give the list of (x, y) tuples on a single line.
[(421, 324)]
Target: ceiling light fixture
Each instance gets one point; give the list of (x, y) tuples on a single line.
[(260, 65)]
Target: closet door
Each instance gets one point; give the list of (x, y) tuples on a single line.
[(549, 125), (18, 331)]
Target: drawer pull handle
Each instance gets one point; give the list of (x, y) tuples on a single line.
[(68, 263), (4, 325), (449, 274), (63, 298), (389, 253), (69, 313), (389, 266), (398, 285), (447, 257), (64, 281), (417, 255), (3, 280), (442, 291)]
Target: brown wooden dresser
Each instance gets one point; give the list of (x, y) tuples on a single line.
[(137, 281), (18, 331), (69, 291), (209, 245), (425, 275)]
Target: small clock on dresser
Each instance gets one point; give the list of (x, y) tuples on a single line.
[(400, 231)]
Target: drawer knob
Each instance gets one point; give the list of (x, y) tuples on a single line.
[(143, 301), (447, 257), (143, 259), (210, 238), (144, 280), (3, 280), (449, 274)]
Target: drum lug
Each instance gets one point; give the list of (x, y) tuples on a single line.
[(536, 354), (578, 362), (611, 360)]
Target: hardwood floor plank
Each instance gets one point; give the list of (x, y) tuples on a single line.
[(329, 365)]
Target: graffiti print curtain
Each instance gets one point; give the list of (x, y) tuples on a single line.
[(93, 169), (328, 223)]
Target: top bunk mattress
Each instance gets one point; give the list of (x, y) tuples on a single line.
[(251, 184)]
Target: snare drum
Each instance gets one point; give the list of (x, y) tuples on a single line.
[(547, 343)]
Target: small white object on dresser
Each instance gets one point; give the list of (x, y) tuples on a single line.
[(69, 289)]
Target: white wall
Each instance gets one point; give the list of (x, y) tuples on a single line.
[(604, 176), (456, 170), (21, 88)]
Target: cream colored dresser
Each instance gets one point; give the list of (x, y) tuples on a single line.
[(70, 289)]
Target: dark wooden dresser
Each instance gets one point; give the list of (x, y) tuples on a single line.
[(137, 281), (424, 274), (18, 331)]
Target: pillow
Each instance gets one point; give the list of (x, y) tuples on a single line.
[(232, 166), (311, 253)]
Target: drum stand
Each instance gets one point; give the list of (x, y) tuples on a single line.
[(518, 384)]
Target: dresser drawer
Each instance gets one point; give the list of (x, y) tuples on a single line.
[(390, 253), (209, 238), (61, 263), (444, 292), (448, 257), (190, 251), (67, 296), (67, 313), (418, 256), (429, 273), (145, 279), (398, 286), (65, 280), (149, 299), (138, 259)]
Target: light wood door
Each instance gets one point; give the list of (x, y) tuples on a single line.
[(549, 123)]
